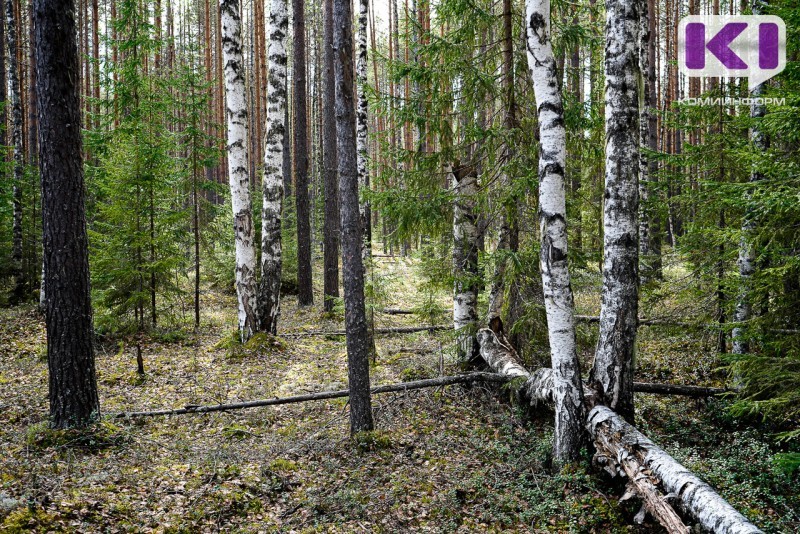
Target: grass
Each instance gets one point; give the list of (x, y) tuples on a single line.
[(455, 459)]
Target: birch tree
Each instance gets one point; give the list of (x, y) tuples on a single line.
[(329, 164), (18, 293), (464, 183), (274, 146), (362, 142), (612, 373), (746, 261), (558, 300), (68, 317), (352, 242), (236, 112)]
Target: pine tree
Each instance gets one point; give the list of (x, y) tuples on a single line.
[(352, 242), (68, 317)]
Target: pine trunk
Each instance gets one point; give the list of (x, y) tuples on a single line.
[(568, 395), (236, 112), (612, 373), (18, 292), (329, 167), (509, 230), (274, 174), (72, 382), (352, 264), (305, 293)]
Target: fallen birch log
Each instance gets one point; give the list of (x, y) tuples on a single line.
[(395, 330), (626, 451), (323, 395), (397, 311)]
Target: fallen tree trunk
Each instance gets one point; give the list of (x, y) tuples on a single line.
[(626, 450), (402, 386), (397, 311), (395, 330)]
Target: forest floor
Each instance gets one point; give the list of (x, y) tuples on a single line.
[(453, 459)]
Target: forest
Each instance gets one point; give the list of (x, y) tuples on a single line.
[(400, 266)]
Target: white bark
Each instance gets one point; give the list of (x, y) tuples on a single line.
[(271, 247), (362, 141), (697, 498), (627, 451), (553, 227), (612, 373), (236, 108), (465, 259)]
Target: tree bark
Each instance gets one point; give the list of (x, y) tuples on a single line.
[(329, 164), (464, 182), (274, 174), (362, 141), (509, 230), (629, 451), (18, 292), (236, 111), (612, 373), (70, 354), (352, 264), (747, 254), (305, 292), (553, 230)]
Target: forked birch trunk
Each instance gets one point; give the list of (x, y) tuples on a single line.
[(236, 112), (271, 247), (464, 182), (612, 373), (558, 300)]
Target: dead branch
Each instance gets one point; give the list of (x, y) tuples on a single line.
[(323, 395)]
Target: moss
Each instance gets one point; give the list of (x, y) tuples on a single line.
[(96, 437), (281, 464), (29, 520), (374, 440)]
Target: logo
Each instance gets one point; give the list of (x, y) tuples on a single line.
[(752, 47)]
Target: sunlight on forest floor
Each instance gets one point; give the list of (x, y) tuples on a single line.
[(442, 460)]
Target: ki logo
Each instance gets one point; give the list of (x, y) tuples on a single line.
[(752, 47)]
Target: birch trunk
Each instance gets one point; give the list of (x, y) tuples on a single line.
[(352, 242), (362, 141), (18, 293), (625, 451), (747, 255), (329, 164), (612, 373), (236, 111), (70, 354), (558, 300), (464, 182), (274, 174)]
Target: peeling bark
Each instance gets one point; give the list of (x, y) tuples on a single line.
[(629, 452), (236, 112), (612, 373), (553, 230), (274, 173), (361, 126), (464, 182)]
